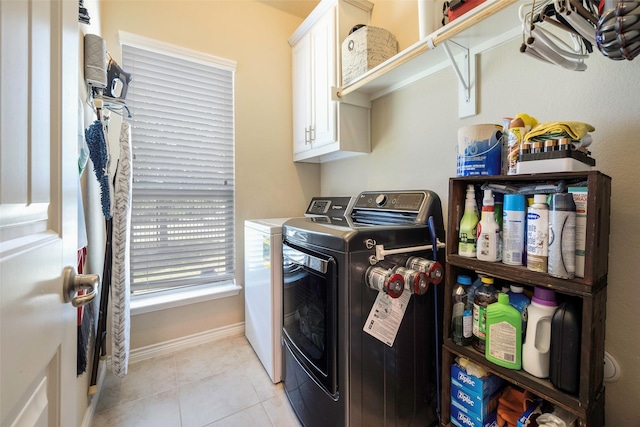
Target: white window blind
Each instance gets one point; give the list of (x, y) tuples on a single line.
[(182, 221)]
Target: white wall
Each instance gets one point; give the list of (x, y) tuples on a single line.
[(414, 136)]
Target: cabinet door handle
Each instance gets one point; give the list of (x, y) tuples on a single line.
[(312, 134), (307, 135)]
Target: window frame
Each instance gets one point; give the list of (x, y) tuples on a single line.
[(162, 299)]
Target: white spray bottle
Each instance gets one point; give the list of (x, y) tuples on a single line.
[(488, 231)]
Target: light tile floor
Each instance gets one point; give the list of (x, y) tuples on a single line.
[(218, 384)]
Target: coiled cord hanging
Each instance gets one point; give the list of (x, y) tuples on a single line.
[(618, 31)]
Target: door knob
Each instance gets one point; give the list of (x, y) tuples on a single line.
[(72, 283)]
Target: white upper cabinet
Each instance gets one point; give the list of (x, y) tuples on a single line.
[(302, 99), (323, 78), (324, 129)]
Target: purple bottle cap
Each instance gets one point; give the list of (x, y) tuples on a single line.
[(544, 296)]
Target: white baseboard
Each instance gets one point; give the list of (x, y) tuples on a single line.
[(161, 349), (171, 346)]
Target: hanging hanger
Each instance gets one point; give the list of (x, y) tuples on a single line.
[(105, 102), (546, 37), (546, 46), (581, 25), (116, 106)]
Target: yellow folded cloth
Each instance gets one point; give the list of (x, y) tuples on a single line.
[(574, 130)]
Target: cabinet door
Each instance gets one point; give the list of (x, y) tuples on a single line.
[(301, 75), (323, 78)]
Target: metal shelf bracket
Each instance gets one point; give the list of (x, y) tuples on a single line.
[(465, 69)]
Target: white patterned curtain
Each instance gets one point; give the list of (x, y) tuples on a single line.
[(120, 286)]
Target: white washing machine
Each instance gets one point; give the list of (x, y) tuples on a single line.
[(263, 291)]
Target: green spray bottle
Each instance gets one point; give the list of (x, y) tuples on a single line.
[(504, 334), (468, 225)]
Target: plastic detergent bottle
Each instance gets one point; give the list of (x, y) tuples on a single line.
[(538, 234), (513, 232), (504, 334), (471, 292), (537, 341), (520, 302), (468, 225), (497, 213), (461, 325), (504, 141), (486, 294), (565, 351), (562, 236), (488, 231)]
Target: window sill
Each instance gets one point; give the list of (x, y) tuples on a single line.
[(163, 300)]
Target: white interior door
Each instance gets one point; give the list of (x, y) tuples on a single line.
[(38, 216)]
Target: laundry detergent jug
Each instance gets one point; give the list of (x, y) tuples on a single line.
[(537, 341)]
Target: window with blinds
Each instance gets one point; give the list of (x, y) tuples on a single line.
[(182, 220)]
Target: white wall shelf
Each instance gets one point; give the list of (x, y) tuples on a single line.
[(491, 23)]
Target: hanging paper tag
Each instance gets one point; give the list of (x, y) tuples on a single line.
[(386, 316)]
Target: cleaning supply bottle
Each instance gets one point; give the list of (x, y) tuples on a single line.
[(537, 341), (562, 236), (471, 292), (504, 142), (538, 234), (468, 225), (513, 229), (497, 213), (520, 302), (565, 350), (504, 334), (488, 231), (486, 294), (461, 325)]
